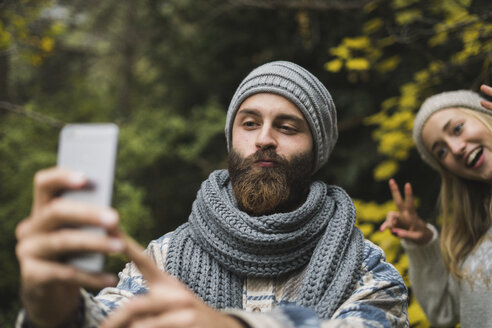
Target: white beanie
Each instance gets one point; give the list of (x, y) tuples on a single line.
[(450, 99)]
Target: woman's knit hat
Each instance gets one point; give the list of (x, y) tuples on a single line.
[(301, 88), (450, 99)]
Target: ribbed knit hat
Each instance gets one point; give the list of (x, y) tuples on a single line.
[(301, 88), (450, 99)]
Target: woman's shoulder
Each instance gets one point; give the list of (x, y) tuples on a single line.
[(477, 267)]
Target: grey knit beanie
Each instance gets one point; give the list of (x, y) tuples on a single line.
[(450, 99), (301, 88)]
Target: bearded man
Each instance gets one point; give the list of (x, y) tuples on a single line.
[(264, 246)]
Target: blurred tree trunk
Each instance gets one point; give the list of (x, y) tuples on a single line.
[(128, 60), (4, 76)]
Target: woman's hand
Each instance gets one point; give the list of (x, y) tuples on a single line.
[(405, 223), (488, 91)]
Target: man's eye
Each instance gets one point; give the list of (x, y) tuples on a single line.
[(249, 124), (287, 128)]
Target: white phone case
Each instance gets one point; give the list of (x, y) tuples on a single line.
[(90, 149)]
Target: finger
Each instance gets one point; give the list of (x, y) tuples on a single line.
[(66, 241), (147, 267), (390, 222), (180, 318), (137, 309), (49, 182), (409, 204), (413, 236), (486, 89), (63, 212), (395, 193), (486, 104), (42, 272)]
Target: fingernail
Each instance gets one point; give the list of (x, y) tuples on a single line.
[(109, 218), (77, 178), (116, 244)]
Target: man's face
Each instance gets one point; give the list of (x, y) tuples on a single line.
[(267, 120), (271, 160)]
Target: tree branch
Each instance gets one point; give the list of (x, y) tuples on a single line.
[(31, 114)]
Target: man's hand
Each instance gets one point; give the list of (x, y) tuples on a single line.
[(169, 303), (488, 91), (50, 288), (405, 223)]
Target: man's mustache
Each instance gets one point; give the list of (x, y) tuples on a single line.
[(266, 155)]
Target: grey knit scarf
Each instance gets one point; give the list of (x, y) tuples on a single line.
[(220, 245)]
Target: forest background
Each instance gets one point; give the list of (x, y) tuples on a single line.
[(165, 71)]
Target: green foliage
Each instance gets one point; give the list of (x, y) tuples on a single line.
[(432, 45), (165, 72)]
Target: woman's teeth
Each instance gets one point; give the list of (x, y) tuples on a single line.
[(474, 156)]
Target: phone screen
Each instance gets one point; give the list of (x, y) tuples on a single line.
[(90, 149)]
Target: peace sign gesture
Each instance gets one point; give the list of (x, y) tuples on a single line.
[(406, 223)]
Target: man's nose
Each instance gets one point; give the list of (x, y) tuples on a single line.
[(265, 138)]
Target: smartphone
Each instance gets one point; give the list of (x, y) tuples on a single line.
[(90, 149)]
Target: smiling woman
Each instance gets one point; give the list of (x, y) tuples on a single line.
[(461, 141), (451, 279)]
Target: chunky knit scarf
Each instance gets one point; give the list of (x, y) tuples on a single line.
[(220, 245)]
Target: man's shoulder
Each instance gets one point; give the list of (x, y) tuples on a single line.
[(373, 252), (375, 264)]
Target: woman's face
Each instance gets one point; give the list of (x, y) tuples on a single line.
[(461, 143)]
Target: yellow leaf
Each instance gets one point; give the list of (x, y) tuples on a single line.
[(416, 314), (388, 64), (395, 144), (58, 28), (371, 211), (372, 25), (402, 264), (375, 118), (436, 66), (357, 64), (438, 39), (5, 39), (384, 42), (470, 35), (47, 44), (465, 3), (366, 229), (408, 16), (422, 76), (389, 103), (334, 66), (385, 170), (340, 51), (389, 243), (370, 6), (358, 43), (398, 4)]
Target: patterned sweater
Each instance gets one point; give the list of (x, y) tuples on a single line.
[(379, 299)]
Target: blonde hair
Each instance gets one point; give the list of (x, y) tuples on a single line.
[(466, 207)]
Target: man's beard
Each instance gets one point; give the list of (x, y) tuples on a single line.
[(267, 190)]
